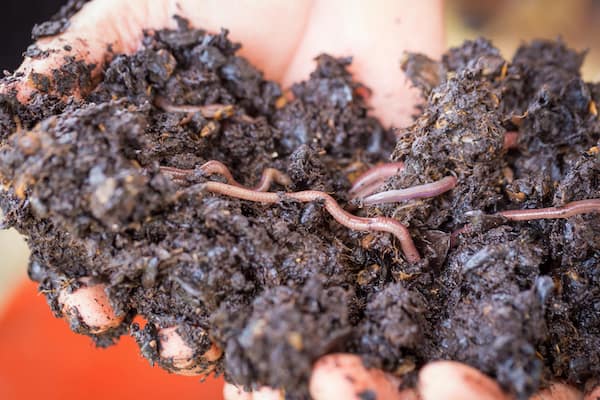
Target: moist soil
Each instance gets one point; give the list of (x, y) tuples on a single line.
[(279, 285)]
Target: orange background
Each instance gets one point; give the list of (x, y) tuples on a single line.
[(40, 358)]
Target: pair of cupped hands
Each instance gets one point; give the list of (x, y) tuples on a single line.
[(281, 38)]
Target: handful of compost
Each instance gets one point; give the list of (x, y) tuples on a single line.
[(288, 240)]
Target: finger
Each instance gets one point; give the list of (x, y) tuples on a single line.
[(267, 393), (98, 25), (594, 395), (269, 30), (376, 34), (343, 376), (558, 391), (451, 380), (179, 357), (89, 307), (232, 392)]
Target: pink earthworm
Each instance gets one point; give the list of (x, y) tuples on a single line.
[(511, 140), (343, 217), (566, 211), (375, 177), (269, 175), (415, 192)]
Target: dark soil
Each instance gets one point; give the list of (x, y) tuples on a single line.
[(59, 22), (278, 286)]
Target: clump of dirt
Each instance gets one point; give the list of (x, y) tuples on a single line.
[(514, 299), (279, 285), (59, 22)]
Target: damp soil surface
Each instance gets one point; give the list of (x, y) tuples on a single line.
[(279, 285)]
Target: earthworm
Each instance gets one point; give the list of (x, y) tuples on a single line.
[(269, 175), (376, 175), (454, 235), (369, 181), (350, 221), (566, 211), (215, 111), (415, 192), (511, 140), (177, 174), (368, 190)]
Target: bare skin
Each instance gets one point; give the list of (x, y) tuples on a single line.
[(375, 33), (594, 395)]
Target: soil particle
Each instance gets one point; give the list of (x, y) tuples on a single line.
[(59, 22), (49, 28)]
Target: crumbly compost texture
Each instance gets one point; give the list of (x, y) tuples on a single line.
[(59, 22), (277, 286)]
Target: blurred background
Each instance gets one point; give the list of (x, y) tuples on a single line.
[(507, 22)]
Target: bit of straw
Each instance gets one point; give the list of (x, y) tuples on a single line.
[(416, 192), (213, 111), (353, 222), (370, 181), (212, 167)]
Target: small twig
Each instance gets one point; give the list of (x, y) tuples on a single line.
[(214, 111), (511, 140), (353, 222), (375, 176), (566, 211), (416, 192), (212, 167)]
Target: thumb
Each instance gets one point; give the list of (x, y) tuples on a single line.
[(376, 34), (68, 63), (343, 376), (103, 28)]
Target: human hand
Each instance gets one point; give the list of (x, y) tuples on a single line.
[(302, 30), (376, 36), (334, 375)]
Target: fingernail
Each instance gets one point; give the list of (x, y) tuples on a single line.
[(267, 393), (558, 391), (343, 376), (232, 392), (451, 380), (594, 395), (180, 356), (89, 305)]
